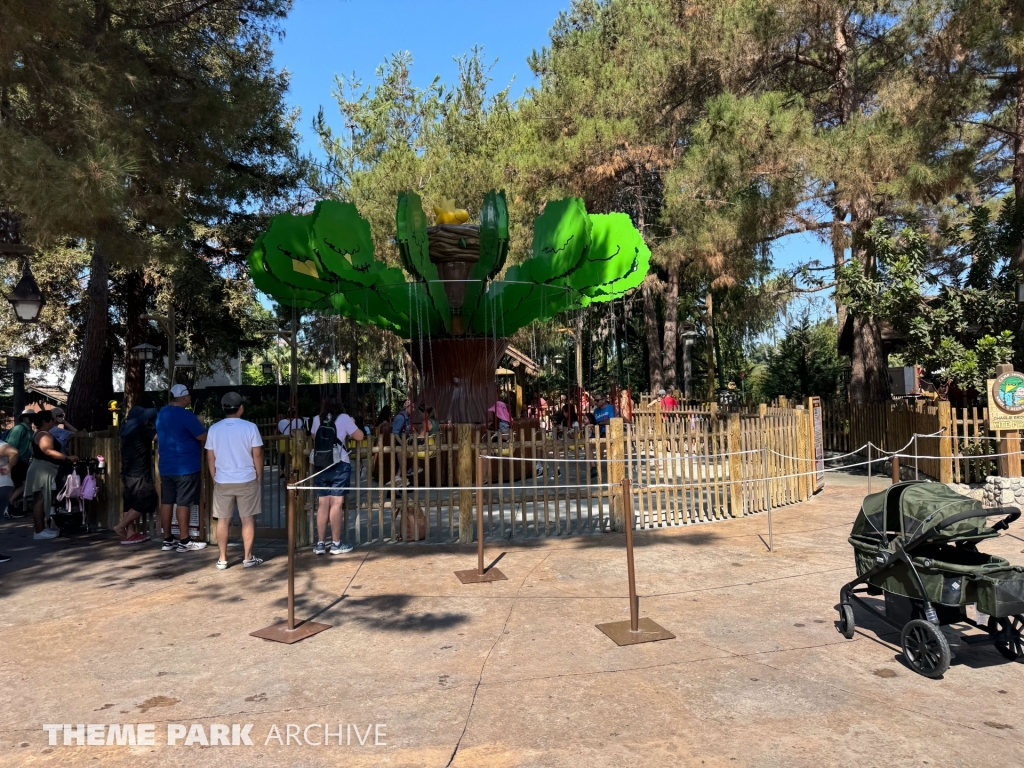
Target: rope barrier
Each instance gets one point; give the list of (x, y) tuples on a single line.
[(605, 460)]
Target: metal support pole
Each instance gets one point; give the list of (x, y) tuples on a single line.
[(293, 391), (627, 513), (768, 502), (636, 630), (479, 516), (916, 454), (290, 509), (286, 631), (479, 575), (869, 466)]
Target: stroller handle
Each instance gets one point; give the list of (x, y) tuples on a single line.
[(1012, 513)]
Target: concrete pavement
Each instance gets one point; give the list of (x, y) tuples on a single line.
[(505, 674)]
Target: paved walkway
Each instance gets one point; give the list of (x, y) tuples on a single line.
[(505, 674)]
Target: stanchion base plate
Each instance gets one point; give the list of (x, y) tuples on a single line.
[(621, 634), (280, 633), (473, 576)]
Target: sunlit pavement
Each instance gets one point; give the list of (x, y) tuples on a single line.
[(511, 673)]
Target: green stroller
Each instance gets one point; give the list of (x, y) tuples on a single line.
[(916, 543)]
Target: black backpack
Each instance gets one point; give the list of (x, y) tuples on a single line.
[(323, 445)]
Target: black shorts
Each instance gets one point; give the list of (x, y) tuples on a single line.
[(19, 472), (139, 494), (182, 490)]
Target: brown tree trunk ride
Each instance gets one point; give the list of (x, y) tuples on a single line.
[(671, 341), (86, 406), (457, 376), (136, 299)]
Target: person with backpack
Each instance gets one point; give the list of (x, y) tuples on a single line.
[(20, 437), (334, 472)]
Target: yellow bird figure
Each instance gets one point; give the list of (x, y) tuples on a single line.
[(447, 213)]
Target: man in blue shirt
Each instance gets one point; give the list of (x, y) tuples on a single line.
[(604, 412), (180, 437)]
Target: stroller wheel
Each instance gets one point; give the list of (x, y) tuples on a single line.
[(846, 625), (925, 648), (1006, 636)]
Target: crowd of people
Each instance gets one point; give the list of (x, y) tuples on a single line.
[(34, 451), (37, 447)]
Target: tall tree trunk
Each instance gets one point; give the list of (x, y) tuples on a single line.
[(671, 341), (1018, 155), (838, 258), (137, 294), (86, 409), (868, 377), (712, 345), (653, 339)]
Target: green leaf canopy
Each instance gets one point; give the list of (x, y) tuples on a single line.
[(325, 261)]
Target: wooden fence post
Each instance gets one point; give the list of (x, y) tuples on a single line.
[(466, 480), (733, 445), (616, 470), (805, 450), (945, 443)]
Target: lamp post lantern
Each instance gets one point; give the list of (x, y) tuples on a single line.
[(145, 352), (26, 299)]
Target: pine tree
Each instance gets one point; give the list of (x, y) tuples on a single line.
[(148, 130)]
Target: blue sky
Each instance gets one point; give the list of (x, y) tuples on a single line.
[(328, 37)]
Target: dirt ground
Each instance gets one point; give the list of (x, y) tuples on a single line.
[(507, 674)]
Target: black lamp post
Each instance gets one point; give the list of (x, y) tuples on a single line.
[(267, 368), (17, 367), (26, 299)]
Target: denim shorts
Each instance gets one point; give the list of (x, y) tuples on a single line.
[(335, 480)]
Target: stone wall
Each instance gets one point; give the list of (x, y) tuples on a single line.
[(996, 492)]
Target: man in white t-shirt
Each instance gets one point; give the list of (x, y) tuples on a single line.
[(234, 451)]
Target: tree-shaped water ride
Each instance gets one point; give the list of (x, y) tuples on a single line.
[(456, 316)]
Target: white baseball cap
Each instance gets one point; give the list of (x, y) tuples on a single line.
[(179, 390)]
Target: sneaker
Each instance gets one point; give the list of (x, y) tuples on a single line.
[(14, 515), (5, 559), (222, 565), (337, 548), (46, 533), (137, 538), (168, 545), (187, 546), (320, 548), (251, 562)]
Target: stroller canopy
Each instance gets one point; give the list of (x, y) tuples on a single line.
[(905, 509)]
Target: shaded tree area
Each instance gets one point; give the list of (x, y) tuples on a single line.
[(149, 139)]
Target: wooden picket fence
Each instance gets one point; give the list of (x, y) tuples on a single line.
[(963, 451), (685, 468)]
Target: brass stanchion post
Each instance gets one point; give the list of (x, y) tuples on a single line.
[(480, 575), (636, 630), (286, 631)]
